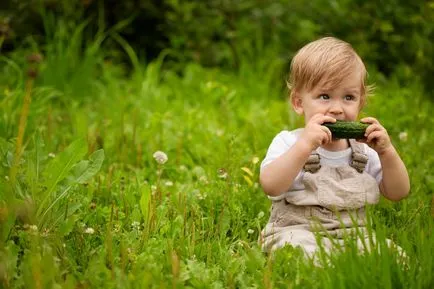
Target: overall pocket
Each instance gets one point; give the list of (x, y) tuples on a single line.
[(344, 194), (285, 214)]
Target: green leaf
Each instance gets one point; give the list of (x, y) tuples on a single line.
[(87, 169), (82, 172), (59, 168), (34, 164), (145, 204), (67, 226)]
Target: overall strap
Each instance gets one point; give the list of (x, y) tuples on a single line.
[(359, 158), (312, 164)]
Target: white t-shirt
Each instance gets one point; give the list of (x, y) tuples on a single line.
[(286, 139)]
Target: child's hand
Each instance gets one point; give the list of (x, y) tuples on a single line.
[(376, 135), (315, 134)]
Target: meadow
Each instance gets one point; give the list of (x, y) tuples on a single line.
[(87, 203)]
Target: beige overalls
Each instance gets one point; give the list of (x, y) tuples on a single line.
[(331, 204)]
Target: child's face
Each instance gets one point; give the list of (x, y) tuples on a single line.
[(342, 102)]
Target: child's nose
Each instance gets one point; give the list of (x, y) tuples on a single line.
[(335, 108)]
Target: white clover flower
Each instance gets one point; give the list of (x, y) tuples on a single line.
[(33, 228), (203, 179), (250, 231), (202, 196), (116, 228), (89, 231), (45, 232), (168, 184), (403, 136), (160, 157), (135, 225), (51, 155), (222, 173)]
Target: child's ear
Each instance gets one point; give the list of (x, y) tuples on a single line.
[(297, 103)]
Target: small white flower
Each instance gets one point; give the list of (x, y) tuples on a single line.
[(403, 136), (116, 228), (135, 225), (33, 228), (89, 231), (51, 155), (160, 157), (203, 179), (250, 231), (153, 188), (169, 184), (202, 196), (222, 173)]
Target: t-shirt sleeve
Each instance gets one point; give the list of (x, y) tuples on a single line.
[(280, 144), (374, 165)]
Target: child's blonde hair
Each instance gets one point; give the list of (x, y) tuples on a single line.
[(326, 61)]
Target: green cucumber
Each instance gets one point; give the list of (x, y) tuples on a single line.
[(347, 129)]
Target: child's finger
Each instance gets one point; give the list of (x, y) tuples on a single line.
[(328, 119), (321, 118), (329, 133), (373, 127), (326, 137), (370, 120), (374, 135)]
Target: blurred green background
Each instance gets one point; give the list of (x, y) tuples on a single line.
[(394, 37)]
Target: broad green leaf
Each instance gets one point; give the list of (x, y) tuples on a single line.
[(87, 169), (59, 168), (67, 225), (83, 171)]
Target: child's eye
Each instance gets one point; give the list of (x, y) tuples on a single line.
[(349, 97), (324, 96)]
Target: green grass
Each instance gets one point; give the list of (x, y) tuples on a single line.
[(69, 221)]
